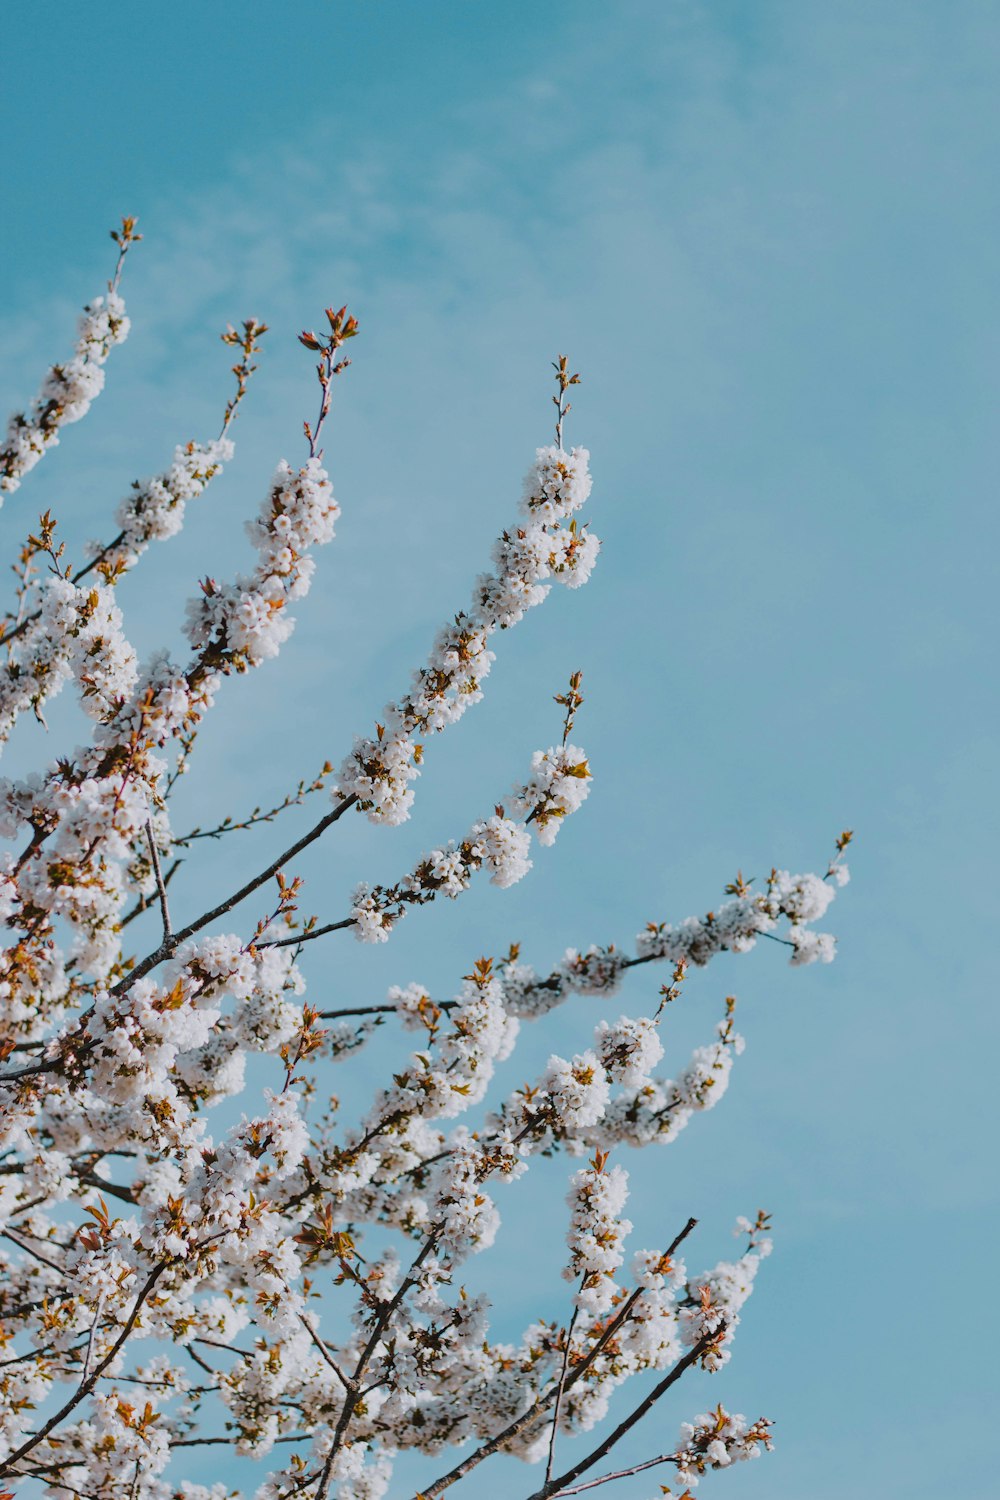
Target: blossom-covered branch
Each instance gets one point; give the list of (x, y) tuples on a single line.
[(70, 388)]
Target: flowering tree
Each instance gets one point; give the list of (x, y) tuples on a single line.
[(165, 1281)]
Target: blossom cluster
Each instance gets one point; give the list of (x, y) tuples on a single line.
[(246, 622), (717, 1439), (737, 924), (547, 545), (656, 1109), (597, 1232), (558, 785), (714, 1300), (67, 392), (78, 633), (498, 844), (154, 509)]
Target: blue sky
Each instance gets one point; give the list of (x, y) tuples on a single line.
[(765, 233)]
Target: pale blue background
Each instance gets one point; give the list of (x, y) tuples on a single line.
[(766, 232)]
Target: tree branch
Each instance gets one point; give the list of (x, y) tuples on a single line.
[(515, 1428), (382, 1322), (554, 1486), (173, 943), (307, 937)]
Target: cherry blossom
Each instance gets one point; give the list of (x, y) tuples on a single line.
[(201, 1247)]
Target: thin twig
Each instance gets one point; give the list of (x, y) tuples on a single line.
[(380, 1010), (203, 1363), (35, 1253), (559, 1392), (229, 825), (161, 887), (144, 902), (554, 1486), (773, 937), (92, 1335), (307, 937), (204, 1442), (171, 944), (651, 1463), (324, 1351)]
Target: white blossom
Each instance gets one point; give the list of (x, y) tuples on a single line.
[(67, 391), (559, 784), (629, 1050), (717, 1439), (597, 1230)]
